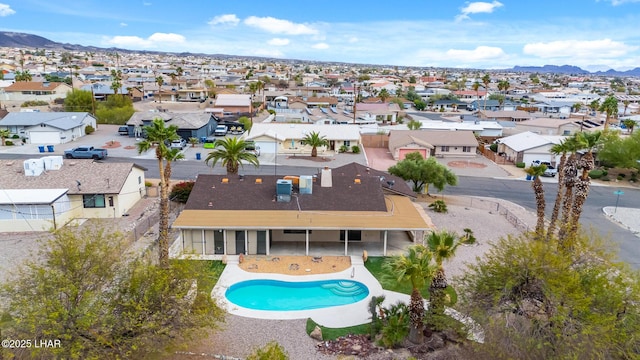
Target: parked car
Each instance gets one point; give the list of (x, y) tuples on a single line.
[(85, 152), (551, 171), (178, 144), (221, 130), (123, 130), (209, 143), (252, 147)]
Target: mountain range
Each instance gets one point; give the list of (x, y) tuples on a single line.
[(23, 40)]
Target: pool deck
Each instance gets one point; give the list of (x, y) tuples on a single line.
[(335, 316)]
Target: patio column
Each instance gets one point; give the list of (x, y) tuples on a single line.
[(384, 246), (246, 242), (267, 240), (224, 242), (346, 242), (306, 242), (204, 241)]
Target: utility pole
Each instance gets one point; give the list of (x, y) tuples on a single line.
[(355, 100)]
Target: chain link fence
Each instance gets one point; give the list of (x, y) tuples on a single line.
[(515, 216)]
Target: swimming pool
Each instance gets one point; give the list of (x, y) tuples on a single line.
[(277, 295)]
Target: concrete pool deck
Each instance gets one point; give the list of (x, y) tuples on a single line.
[(335, 316)]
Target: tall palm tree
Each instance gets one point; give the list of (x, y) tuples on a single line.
[(160, 82), (159, 135), (486, 79), (626, 105), (565, 146), (536, 171), (4, 134), (629, 124), (417, 268), (231, 152), (314, 140), (116, 81), (23, 76), (610, 107), (384, 95), (443, 245)]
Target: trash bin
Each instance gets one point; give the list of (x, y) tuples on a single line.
[(50, 148), (41, 148), (198, 156), (203, 139)]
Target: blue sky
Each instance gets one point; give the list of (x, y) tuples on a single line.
[(592, 34)]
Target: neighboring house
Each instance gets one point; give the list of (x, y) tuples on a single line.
[(515, 115), (563, 109), (101, 92), (234, 103), (380, 112), (432, 143), (192, 94), (528, 146), (36, 90), (546, 126), (284, 138), (45, 193), (197, 125), (48, 127), (449, 105), (334, 212), (492, 105)]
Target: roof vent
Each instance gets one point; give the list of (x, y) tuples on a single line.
[(325, 177), (225, 180), (356, 181), (258, 181)]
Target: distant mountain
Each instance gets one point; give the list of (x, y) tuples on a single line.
[(13, 39), (551, 69), (611, 72)]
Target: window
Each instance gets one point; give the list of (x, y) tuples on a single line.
[(354, 235), (93, 201), (287, 231), (347, 143), (466, 149), (444, 148), (139, 179)]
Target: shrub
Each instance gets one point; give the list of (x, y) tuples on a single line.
[(34, 103), (355, 149), (271, 351), (15, 136), (395, 326), (596, 174), (343, 149), (439, 206), (605, 178), (148, 184), (8, 143), (181, 191), (605, 173), (493, 147), (520, 165), (89, 129), (620, 177)]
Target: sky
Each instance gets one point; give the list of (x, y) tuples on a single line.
[(592, 34)]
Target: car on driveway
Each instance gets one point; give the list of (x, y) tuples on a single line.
[(179, 144), (551, 171)]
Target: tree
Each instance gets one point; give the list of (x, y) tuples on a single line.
[(503, 85), (626, 105), (4, 134), (534, 302), (486, 80), (160, 82), (567, 145), (159, 135), (80, 101), (415, 267), (620, 152), (610, 107), (231, 152), (315, 140), (629, 124), (209, 84), (476, 87), (422, 172), (414, 124), (116, 81), (537, 171), (384, 95), (82, 289), (412, 79), (443, 245), (23, 76)]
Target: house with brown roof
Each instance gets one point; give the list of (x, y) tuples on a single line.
[(432, 143), (338, 211), (45, 193), (36, 90)]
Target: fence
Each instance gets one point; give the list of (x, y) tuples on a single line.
[(493, 206), (151, 220), (375, 140)]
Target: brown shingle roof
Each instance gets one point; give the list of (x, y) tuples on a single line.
[(33, 86), (94, 176), (358, 170), (398, 138)]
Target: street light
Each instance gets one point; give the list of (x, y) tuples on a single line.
[(617, 193)]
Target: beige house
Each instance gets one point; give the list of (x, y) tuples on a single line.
[(46, 193), (341, 211), (546, 126), (432, 143), (35, 90)]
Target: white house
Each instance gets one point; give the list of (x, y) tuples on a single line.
[(48, 127)]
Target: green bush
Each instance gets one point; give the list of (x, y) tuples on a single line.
[(605, 172), (520, 165), (148, 184), (355, 149), (620, 177), (493, 147), (181, 191), (8, 143), (271, 351), (15, 136), (89, 129), (596, 174), (605, 178), (343, 149), (34, 103), (439, 206)]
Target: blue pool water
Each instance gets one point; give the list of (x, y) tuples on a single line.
[(285, 296)]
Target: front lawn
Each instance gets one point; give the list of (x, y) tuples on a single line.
[(334, 333)]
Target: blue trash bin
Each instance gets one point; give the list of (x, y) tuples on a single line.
[(198, 156), (50, 148), (41, 148)]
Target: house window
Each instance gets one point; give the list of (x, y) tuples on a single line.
[(139, 179), (93, 201), (347, 143), (466, 149), (354, 235), (444, 148)]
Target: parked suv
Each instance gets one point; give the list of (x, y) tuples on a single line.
[(123, 130), (179, 144), (221, 130), (551, 171)]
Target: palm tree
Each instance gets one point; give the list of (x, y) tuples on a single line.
[(160, 135), (486, 79), (610, 107), (629, 124), (23, 76), (116, 81), (384, 95), (626, 105), (231, 151), (4, 134), (536, 171), (160, 82), (417, 268), (565, 146), (314, 140)]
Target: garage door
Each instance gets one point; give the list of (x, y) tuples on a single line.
[(44, 137), (403, 153), (266, 147)]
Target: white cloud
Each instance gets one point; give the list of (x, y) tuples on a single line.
[(605, 48), (353, 39), (620, 2), (154, 41), (320, 46), (146, 3), (6, 10), (478, 54), (477, 8), (279, 26), (123, 24), (227, 19), (278, 42)]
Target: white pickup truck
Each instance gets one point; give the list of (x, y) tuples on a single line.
[(550, 171), (221, 130)]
